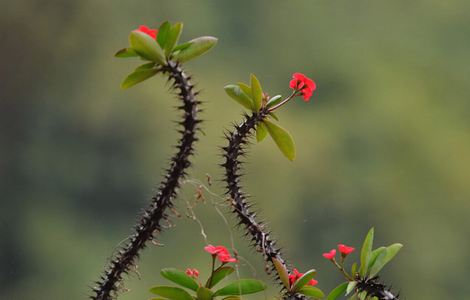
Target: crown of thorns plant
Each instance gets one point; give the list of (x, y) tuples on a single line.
[(163, 54)]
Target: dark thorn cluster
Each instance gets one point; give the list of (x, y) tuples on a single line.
[(151, 219), (261, 240), (374, 288)]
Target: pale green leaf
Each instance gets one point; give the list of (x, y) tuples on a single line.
[(241, 287), (146, 47), (126, 52), (312, 291), (261, 132), (302, 281), (236, 93), (197, 47), (282, 138), (366, 252), (180, 277), (338, 291), (218, 275), (282, 272), (137, 77), (173, 37), (257, 92), (172, 293)]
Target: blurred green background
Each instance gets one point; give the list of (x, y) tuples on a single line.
[(385, 141)]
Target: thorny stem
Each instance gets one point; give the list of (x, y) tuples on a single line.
[(259, 235), (149, 223)]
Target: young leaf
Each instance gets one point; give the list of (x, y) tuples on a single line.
[(181, 46), (366, 252), (302, 281), (274, 116), (218, 275), (245, 88), (312, 291), (197, 47), (137, 77), (204, 293), (146, 66), (236, 93), (180, 277), (385, 257), (274, 100), (126, 52), (282, 272), (282, 139), (241, 287), (256, 91), (354, 269), (174, 34), (163, 33), (261, 132), (146, 47), (172, 293), (338, 291), (351, 286)]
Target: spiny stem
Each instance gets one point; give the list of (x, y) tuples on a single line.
[(374, 288), (149, 223), (237, 141)]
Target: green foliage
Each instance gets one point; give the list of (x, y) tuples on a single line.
[(180, 277), (256, 92), (366, 252), (312, 291), (241, 287), (137, 76), (261, 132), (196, 47), (237, 94), (338, 291), (146, 47), (218, 275), (282, 272), (302, 281), (282, 138), (171, 293)]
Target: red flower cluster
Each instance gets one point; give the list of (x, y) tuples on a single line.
[(152, 32), (192, 272), (295, 275), (304, 84), (343, 249), (221, 252)]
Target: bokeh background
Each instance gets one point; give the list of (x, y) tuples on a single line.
[(384, 143)]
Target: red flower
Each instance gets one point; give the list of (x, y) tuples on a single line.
[(345, 250), (221, 252), (192, 272), (330, 255), (304, 84), (152, 32), (295, 275)]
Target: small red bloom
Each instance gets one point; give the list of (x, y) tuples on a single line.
[(304, 84), (295, 275), (192, 272), (152, 32), (313, 282), (345, 250), (330, 255), (221, 252)]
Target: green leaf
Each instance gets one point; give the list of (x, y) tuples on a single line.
[(146, 66), (197, 47), (126, 52), (261, 132), (274, 116), (146, 47), (366, 252), (353, 269), (173, 37), (137, 77), (218, 275), (282, 139), (385, 257), (181, 46), (247, 89), (236, 93), (351, 286), (374, 255), (180, 277), (338, 291), (282, 272), (312, 291), (172, 293), (302, 281), (232, 298), (274, 100), (241, 287), (257, 92), (204, 293), (162, 35)]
